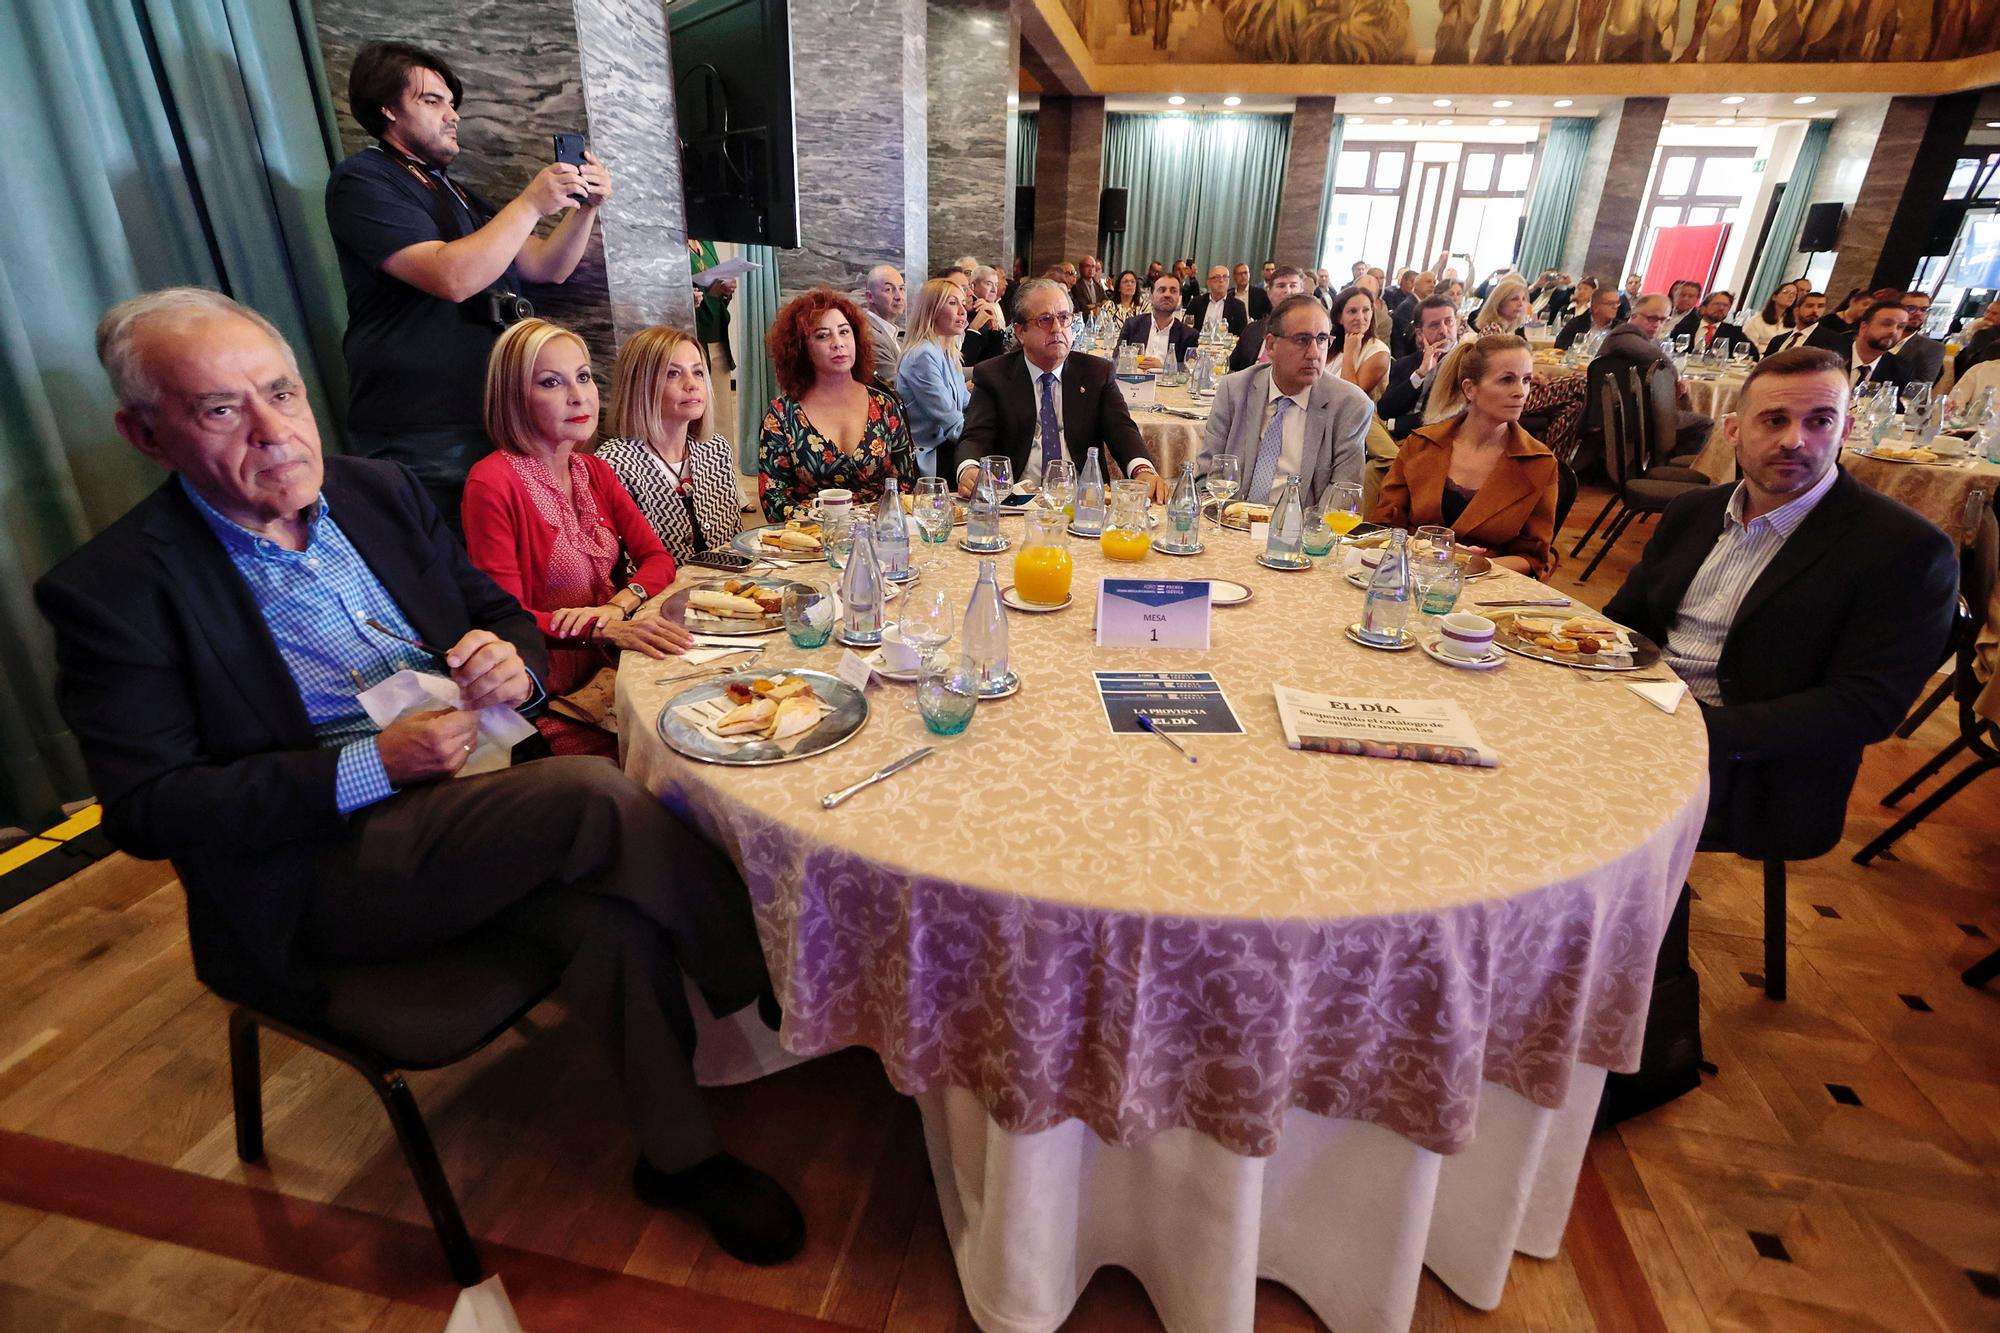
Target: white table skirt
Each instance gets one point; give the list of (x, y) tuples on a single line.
[(1346, 1214)]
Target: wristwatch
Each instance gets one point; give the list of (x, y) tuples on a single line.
[(638, 590)]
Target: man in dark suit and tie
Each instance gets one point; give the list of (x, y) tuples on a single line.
[(1040, 401), (1408, 385), (1162, 331), (1216, 307), (1871, 356), (210, 645), (1804, 610), (1249, 350), (1256, 301), (1708, 324)]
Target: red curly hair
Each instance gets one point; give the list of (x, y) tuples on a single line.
[(791, 332)]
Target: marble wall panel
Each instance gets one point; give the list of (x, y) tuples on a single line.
[(1301, 199), (1623, 191), (1583, 214), (972, 64), (1889, 225), (1069, 173), (860, 114)]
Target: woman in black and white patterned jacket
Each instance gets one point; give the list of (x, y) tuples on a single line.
[(680, 471)]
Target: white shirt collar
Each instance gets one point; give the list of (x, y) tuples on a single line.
[(1035, 372), (1785, 519), (1300, 400)]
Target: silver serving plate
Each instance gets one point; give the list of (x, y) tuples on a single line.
[(849, 715), (677, 608), (1645, 653), (746, 543)]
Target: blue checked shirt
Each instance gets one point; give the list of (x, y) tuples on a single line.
[(1741, 553), (315, 602)]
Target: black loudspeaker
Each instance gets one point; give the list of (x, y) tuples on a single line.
[(1111, 211), (1822, 228), (1024, 208)]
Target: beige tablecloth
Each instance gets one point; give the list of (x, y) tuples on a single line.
[(1712, 396), (1172, 439)]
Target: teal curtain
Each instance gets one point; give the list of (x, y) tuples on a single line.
[(1027, 137), (1557, 185), (1774, 262), (1200, 185), (756, 307), (167, 142), (1318, 257)]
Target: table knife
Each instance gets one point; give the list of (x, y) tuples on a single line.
[(1547, 601), (833, 798)]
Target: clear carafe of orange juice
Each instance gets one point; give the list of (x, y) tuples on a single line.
[(1129, 533), (1042, 566)]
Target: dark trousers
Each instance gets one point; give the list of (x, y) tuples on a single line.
[(440, 458), (573, 854)]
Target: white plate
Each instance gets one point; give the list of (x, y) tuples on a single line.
[(1409, 641), (1286, 569), (1494, 657), (887, 672), (1012, 599), (1224, 592)]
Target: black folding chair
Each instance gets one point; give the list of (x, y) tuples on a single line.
[(1641, 489)]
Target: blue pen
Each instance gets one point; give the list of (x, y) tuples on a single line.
[(1154, 727)]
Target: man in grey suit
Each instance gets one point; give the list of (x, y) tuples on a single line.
[(883, 304), (1290, 417)]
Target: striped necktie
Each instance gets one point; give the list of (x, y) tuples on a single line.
[(1264, 472)]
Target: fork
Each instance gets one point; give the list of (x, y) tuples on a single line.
[(1600, 677)]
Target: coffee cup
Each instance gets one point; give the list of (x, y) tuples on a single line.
[(833, 501), (897, 655), (1465, 636)]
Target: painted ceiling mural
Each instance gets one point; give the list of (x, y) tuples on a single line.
[(1532, 32)]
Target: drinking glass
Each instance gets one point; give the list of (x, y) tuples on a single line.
[(947, 692), (1225, 475), (933, 507), (808, 614), (1317, 538), (836, 534), (1059, 486), (1682, 342), (926, 619), (1433, 543), (1002, 468), (1341, 509), (1916, 398)]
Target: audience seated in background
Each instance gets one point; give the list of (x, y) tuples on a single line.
[(1041, 401), (1835, 329), (1407, 386), (1129, 300), (830, 425), (1250, 349), (1088, 291), (1685, 297), (1778, 314), (1805, 318), (1289, 417), (1218, 308), (1635, 345), (1979, 341), (1984, 376), (207, 646), (1804, 610), (1256, 301), (1161, 331), (1566, 302), (1597, 319), (664, 447), (1475, 470), (1359, 356), (1506, 309), (930, 378), (433, 272), (985, 322), (884, 303), (1870, 354), (1709, 324), (551, 526), (1191, 283), (1921, 354)]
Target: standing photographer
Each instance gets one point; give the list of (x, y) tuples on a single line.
[(434, 272)]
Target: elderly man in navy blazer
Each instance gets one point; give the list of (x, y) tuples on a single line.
[(209, 647), (1290, 416)]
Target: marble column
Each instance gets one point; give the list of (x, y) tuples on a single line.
[(972, 67), (861, 119), (1303, 196), (1069, 173), (1583, 214), (1886, 232), (1622, 187), (530, 68)]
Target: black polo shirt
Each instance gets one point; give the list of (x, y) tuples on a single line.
[(414, 362)]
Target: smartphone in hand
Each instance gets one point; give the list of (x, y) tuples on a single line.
[(569, 148)]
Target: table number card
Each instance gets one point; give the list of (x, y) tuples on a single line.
[(1152, 613), (854, 669)]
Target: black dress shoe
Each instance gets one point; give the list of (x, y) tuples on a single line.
[(748, 1213)]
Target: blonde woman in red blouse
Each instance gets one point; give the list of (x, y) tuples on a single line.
[(555, 528)]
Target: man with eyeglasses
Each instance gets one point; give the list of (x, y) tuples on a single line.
[(1290, 416), (1636, 344), (1921, 354), (1039, 402)]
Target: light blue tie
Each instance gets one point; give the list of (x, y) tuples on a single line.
[(1052, 448), (1264, 472)]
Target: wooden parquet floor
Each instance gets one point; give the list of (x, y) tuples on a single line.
[(1839, 1170)]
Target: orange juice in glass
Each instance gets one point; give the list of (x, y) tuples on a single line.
[(1042, 566), (1129, 534), (1342, 521)]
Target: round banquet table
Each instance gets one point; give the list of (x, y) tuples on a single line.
[(1714, 396), (1322, 1019), (1171, 437)]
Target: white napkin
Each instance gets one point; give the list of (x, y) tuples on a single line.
[(1664, 695), (406, 692)]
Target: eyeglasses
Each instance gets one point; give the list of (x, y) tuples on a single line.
[(1305, 342), (1054, 319)]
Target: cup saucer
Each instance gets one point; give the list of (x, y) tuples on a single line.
[(1494, 656), (1016, 602)]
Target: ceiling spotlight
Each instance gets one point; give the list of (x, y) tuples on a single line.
[(1732, 101), (1232, 101), (1384, 100), (1359, 120), (1177, 100), (1993, 124), (1807, 100), (1497, 120), (1442, 103), (1502, 104), (1562, 102), (1400, 120), (1445, 121)]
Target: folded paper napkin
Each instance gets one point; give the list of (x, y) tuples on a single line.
[(1664, 695), (713, 646), (406, 692)]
